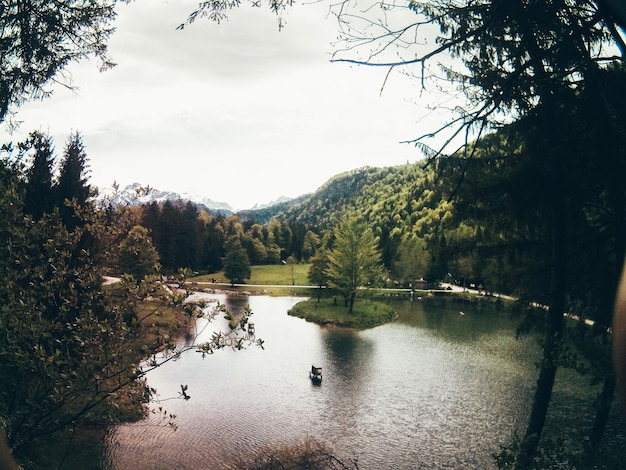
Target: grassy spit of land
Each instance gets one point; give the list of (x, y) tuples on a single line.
[(293, 280), (281, 280), (367, 313)]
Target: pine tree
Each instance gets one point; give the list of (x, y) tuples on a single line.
[(38, 199), (236, 262), (72, 186)]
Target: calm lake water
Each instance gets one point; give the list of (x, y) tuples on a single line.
[(434, 389)]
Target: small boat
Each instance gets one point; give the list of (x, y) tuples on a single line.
[(316, 374)]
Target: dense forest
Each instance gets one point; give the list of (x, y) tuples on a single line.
[(403, 205)]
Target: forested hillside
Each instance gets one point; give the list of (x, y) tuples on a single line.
[(402, 204)]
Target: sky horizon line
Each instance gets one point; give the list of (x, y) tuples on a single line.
[(238, 111)]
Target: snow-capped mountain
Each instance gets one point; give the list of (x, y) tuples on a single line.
[(138, 194), (270, 204)]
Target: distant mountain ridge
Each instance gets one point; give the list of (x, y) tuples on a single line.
[(378, 194), (137, 194), (280, 200)]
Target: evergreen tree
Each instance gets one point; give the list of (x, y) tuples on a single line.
[(137, 255), (354, 261), (214, 243), (515, 59), (236, 262), (167, 235), (187, 240), (72, 186), (39, 198), (39, 39)]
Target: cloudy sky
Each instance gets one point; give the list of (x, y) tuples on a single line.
[(237, 112)]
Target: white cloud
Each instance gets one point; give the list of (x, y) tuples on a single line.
[(238, 112)]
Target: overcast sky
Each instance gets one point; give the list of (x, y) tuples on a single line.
[(237, 112)]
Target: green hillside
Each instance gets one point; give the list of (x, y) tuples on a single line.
[(398, 202), (367, 191)]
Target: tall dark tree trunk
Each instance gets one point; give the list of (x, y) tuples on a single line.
[(616, 226), (351, 301), (549, 364), (607, 395), (602, 414)]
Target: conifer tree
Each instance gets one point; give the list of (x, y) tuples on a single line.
[(236, 262), (72, 186), (38, 198), (39, 39)]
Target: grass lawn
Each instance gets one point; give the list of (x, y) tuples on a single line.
[(366, 313), (274, 274)]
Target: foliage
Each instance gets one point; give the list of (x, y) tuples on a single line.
[(308, 454), (137, 256), (265, 214), (175, 232), (236, 263), (218, 11), (71, 348), (524, 63), (72, 186), (44, 192), (538, 192), (366, 313), (39, 197), (317, 274), (354, 260), (61, 356), (412, 259), (399, 203), (504, 58), (185, 235), (310, 245), (40, 38), (525, 224)]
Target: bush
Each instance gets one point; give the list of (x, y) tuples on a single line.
[(309, 454)]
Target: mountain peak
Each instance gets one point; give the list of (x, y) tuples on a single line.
[(137, 194), (280, 200)]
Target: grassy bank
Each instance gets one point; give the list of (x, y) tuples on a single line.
[(366, 313), (283, 275)]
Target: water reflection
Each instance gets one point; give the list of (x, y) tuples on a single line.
[(434, 389)]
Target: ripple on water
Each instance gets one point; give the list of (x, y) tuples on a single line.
[(403, 395)]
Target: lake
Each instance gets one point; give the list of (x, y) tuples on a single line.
[(443, 386)]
